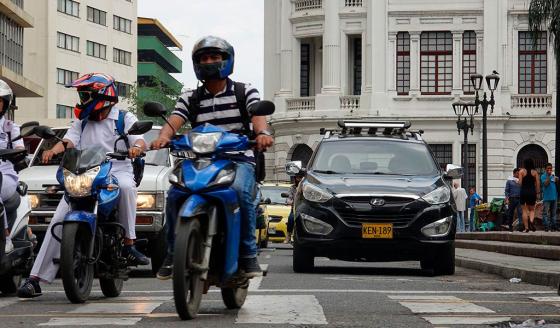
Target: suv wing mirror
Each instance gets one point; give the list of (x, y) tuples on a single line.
[(453, 171), (294, 168)]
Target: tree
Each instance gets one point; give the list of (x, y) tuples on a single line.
[(155, 90), (544, 15)]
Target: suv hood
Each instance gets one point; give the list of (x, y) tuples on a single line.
[(36, 176), (375, 184)]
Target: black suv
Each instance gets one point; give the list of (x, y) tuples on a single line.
[(373, 191)]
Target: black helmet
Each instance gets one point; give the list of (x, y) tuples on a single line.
[(214, 71), (7, 95)]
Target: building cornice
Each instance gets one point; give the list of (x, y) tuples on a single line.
[(426, 13), (307, 19), (15, 13)]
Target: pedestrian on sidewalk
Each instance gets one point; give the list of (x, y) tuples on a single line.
[(474, 200), (460, 197), (530, 188), (550, 196), (512, 192)]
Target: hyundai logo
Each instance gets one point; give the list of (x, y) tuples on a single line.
[(377, 202)]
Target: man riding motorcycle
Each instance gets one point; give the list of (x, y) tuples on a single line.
[(217, 102), (96, 125), (8, 176)]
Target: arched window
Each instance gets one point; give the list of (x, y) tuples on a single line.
[(536, 152), (301, 153)]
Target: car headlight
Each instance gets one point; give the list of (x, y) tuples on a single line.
[(315, 194), (145, 201), (224, 177), (80, 185), (440, 228), (204, 143), (438, 196), (34, 201)]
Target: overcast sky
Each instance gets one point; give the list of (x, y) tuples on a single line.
[(238, 21)]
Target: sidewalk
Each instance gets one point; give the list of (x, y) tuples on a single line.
[(533, 257)]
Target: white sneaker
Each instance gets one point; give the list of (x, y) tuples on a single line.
[(9, 245)]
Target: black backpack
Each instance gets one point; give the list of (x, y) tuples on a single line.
[(241, 98)]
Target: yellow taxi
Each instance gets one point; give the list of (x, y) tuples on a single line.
[(262, 224), (277, 211)]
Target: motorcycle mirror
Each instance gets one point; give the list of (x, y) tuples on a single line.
[(285, 195), (26, 129), (262, 108), (44, 132), (140, 127), (154, 109), (266, 201)]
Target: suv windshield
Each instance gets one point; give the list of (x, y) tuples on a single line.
[(156, 157), (274, 193), (374, 157)]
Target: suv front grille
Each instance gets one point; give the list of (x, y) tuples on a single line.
[(356, 210), (49, 202)]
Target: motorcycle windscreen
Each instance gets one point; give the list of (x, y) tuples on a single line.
[(79, 161)]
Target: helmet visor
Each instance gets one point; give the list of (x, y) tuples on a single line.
[(85, 96)]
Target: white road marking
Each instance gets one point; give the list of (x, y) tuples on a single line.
[(282, 309), (424, 298), (76, 322), (546, 299), (128, 308), (438, 304), (255, 283), (7, 301), (465, 320), (136, 299)]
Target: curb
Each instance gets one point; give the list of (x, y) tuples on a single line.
[(549, 252), (535, 277)]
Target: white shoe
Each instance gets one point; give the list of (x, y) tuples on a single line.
[(9, 245)]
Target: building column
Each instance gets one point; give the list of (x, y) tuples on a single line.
[(367, 51), (286, 52), (457, 63), (331, 48), (479, 51), (414, 63), (391, 62)]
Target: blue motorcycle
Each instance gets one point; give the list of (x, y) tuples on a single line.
[(92, 237), (208, 225)]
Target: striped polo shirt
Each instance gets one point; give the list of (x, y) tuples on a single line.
[(220, 109)]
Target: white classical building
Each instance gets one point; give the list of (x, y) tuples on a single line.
[(410, 59), (72, 38)]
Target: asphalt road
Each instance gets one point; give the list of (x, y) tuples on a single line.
[(338, 294)]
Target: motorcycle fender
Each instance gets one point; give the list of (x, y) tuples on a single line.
[(195, 205), (83, 217), (22, 217)]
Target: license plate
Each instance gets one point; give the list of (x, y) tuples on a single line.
[(377, 230), (271, 230)]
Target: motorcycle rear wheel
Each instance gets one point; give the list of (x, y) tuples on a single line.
[(187, 286), (111, 287), (77, 273)]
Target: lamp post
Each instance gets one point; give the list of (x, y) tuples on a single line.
[(492, 83)]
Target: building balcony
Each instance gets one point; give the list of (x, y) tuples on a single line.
[(531, 104), (353, 3), (305, 5), (149, 70), (350, 103), (304, 104), (151, 49), (305, 11)]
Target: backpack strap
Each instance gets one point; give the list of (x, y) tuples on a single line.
[(239, 90), (120, 128), (7, 128), (194, 105)]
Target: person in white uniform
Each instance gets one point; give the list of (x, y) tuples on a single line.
[(98, 96), (8, 176)]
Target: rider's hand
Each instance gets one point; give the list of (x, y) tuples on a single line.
[(47, 156), (160, 142), (134, 152), (264, 141)]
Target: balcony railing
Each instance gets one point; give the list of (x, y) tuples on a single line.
[(308, 4), (543, 101), (300, 104), (350, 103), (352, 3), (18, 3)]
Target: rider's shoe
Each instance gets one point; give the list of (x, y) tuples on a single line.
[(166, 270), (250, 267), (29, 289), (133, 256)]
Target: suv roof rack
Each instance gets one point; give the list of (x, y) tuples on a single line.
[(372, 128)]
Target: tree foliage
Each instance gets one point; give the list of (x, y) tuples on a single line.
[(544, 15)]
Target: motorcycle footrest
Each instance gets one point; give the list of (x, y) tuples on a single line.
[(198, 268)]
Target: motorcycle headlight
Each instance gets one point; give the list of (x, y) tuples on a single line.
[(438, 196), (315, 194), (224, 177), (80, 185), (204, 143)]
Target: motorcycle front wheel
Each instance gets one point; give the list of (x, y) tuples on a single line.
[(187, 286), (77, 272), (111, 287), (234, 298)]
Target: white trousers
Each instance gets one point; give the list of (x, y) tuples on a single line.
[(44, 268)]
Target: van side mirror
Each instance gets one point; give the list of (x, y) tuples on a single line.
[(453, 171), (294, 168)]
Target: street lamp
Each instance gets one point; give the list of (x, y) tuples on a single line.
[(492, 84), (465, 122)]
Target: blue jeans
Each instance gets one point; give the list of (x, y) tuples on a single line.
[(549, 220), (245, 187), (471, 220), (460, 221), (512, 206)]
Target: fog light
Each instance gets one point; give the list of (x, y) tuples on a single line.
[(315, 226), (440, 228)]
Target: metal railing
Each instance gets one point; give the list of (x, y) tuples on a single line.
[(300, 104), (543, 101), (308, 4), (18, 3), (353, 3), (350, 103)]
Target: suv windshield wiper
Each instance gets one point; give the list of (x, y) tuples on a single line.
[(327, 172), (375, 173)]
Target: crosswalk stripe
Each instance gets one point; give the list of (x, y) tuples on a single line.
[(465, 320), (546, 299), (128, 308), (128, 321), (255, 283), (438, 304), (282, 309)]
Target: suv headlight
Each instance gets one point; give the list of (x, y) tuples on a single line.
[(439, 196), (440, 228), (204, 143), (80, 185), (315, 194), (145, 201), (34, 200)]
